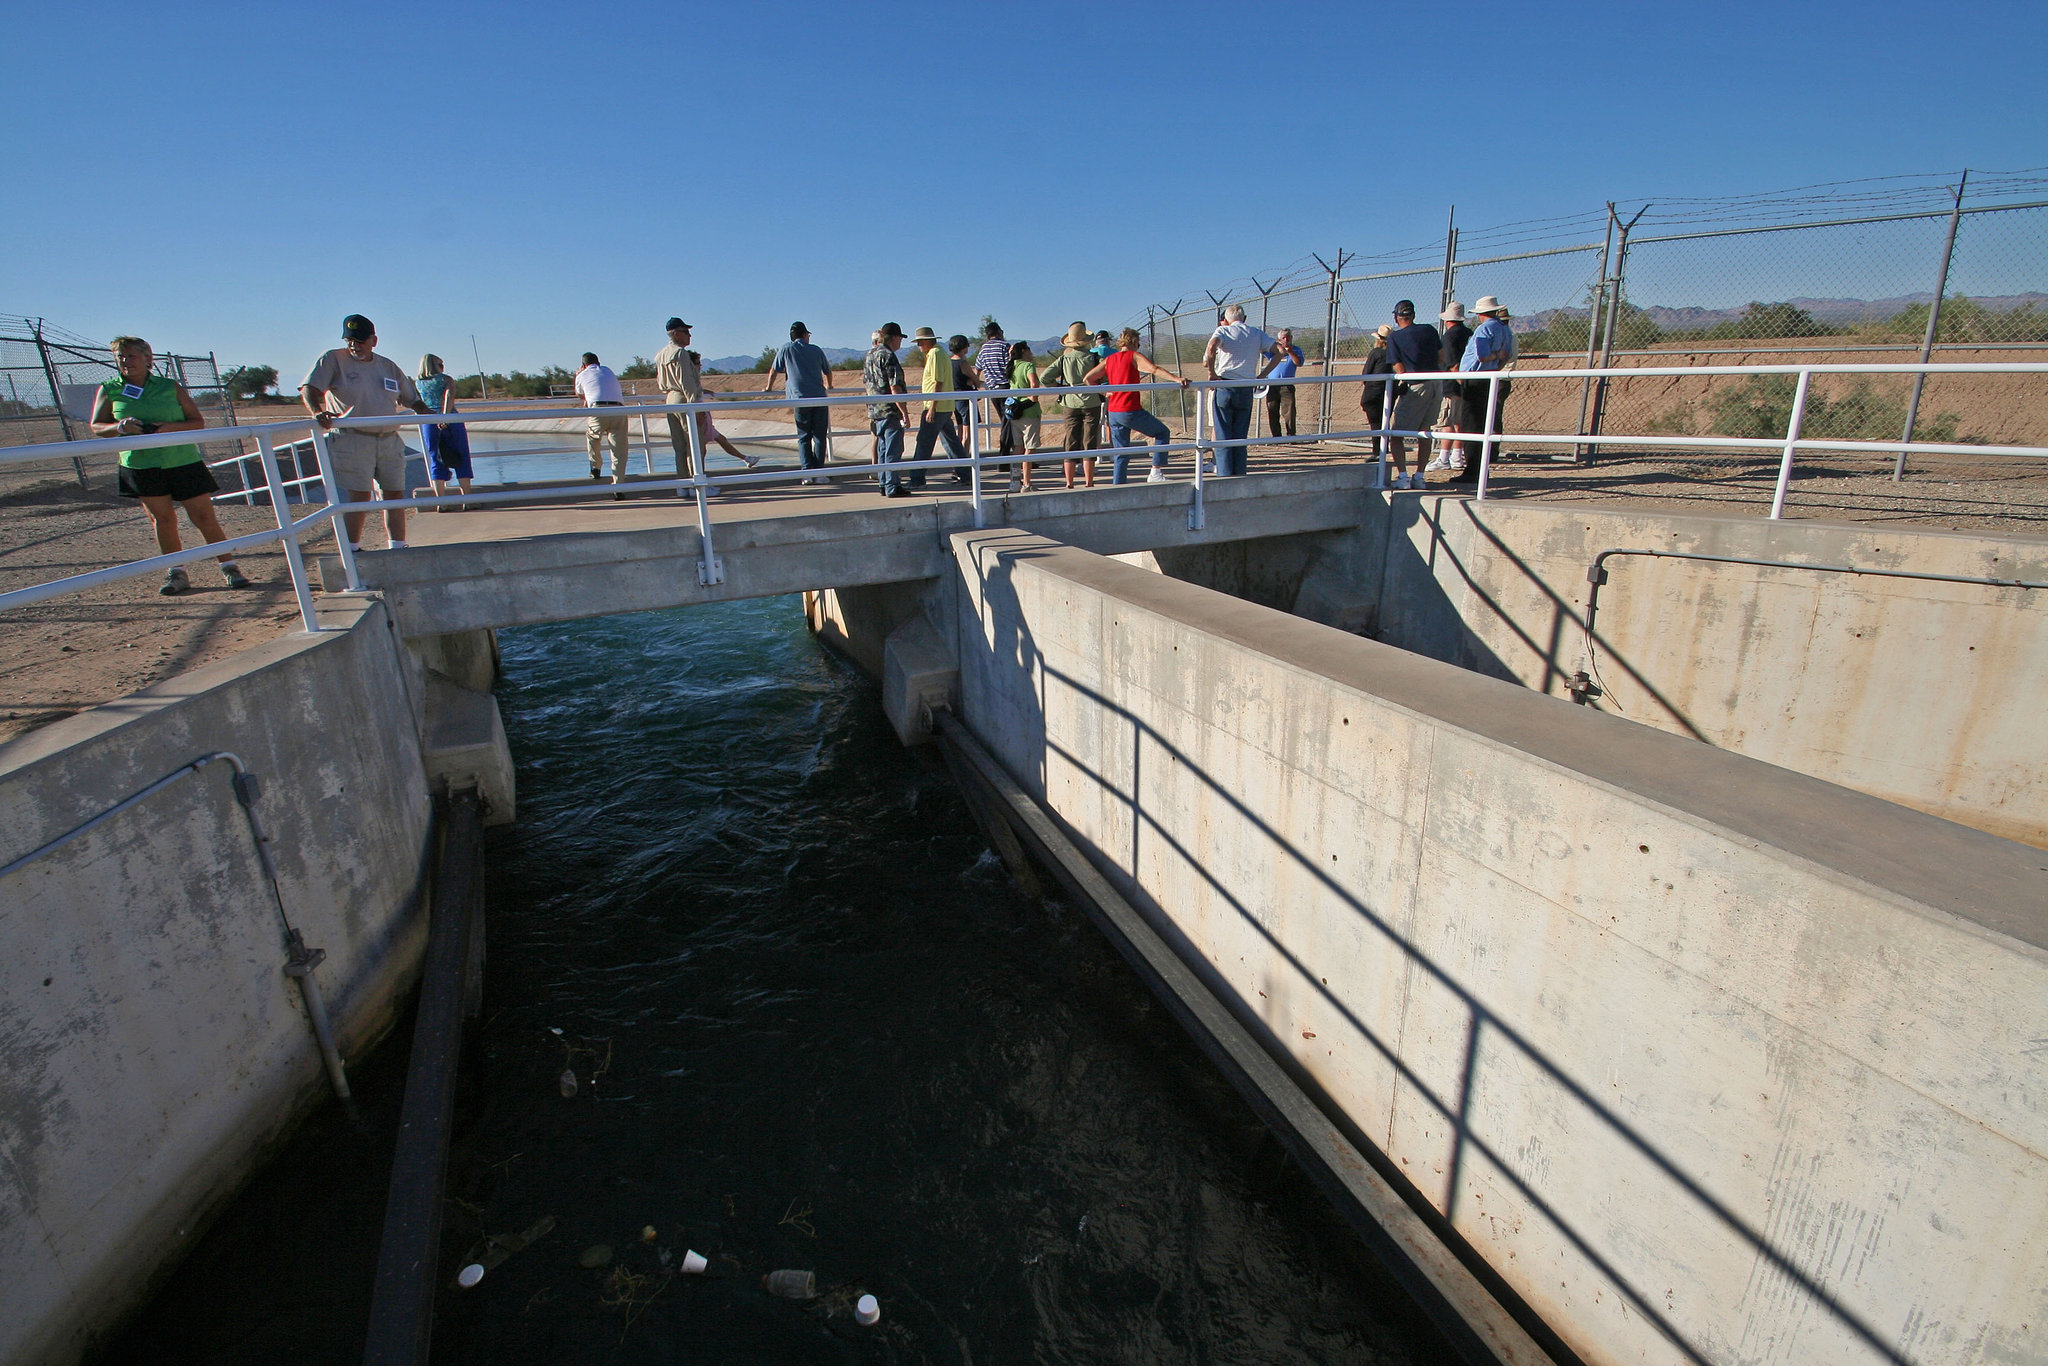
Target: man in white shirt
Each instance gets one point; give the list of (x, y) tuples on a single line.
[(1234, 352), (598, 387)]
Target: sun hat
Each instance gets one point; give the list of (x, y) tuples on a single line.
[(1382, 332), (1077, 335), (924, 334), (1488, 304), (1453, 312), (355, 327)]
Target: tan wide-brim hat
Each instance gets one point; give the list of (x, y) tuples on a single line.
[(1077, 335), (1382, 332), (1453, 313), (924, 334), (1488, 304)]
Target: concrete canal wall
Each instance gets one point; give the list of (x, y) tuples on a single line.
[(1916, 691), (1705, 1058), (152, 1049)]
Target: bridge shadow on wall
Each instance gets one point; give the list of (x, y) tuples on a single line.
[(1488, 1040), (1418, 614)]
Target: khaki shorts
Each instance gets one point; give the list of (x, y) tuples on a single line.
[(1451, 412), (366, 461), (1415, 410)]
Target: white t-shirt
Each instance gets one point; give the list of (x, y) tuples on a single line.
[(597, 384), (1238, 349)]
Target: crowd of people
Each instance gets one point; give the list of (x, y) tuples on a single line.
[(354, 381)]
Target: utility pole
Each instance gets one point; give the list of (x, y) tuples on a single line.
[(1948, 252), (1450, 258), (482, 386)]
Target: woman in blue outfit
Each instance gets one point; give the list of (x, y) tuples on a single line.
[(447, 443)]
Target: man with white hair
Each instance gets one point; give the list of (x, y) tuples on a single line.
[(1233, 354), (1492, 348)]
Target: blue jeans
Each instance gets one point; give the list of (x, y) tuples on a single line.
[(1121, 425), (811, 426), (931, 430), (888, 447), (1233, 423)]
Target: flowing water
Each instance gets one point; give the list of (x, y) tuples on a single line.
[(812, 1025)]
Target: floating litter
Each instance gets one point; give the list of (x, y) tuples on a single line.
[(596, 1255), (694, 1263), (791, 1285), (648, 1235), (568, 1082), (470, 1275), (867, 1311)]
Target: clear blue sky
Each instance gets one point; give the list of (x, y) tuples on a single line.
[(558, 178)]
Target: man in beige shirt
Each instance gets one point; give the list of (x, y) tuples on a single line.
[(675, 369), (354, 381)]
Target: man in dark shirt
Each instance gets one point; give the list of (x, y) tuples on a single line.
[(1450, 416), (1413, 348), (882, 374)]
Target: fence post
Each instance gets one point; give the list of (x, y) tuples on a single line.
[(1948, 251), (1617, 285), (1450, 257), (227, 400), (1593, 307), (1329, 351), (295, 562), (1173, 322), (56, 395), (1792, 426)]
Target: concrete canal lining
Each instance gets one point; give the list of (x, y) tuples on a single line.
[(1693, 1051), (152, 1050)]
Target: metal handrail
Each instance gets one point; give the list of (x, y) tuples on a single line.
[(1204, 444)]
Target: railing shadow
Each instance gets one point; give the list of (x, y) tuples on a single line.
[(1013, 645)]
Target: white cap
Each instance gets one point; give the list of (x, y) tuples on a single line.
[(470, 1275), (693, 1263), (867, 1310)]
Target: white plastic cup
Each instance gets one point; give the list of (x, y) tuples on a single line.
[(867, 1311), (694, 1263), (470, 1275)]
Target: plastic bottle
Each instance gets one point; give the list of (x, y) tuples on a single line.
[(791, 1285), (867, 1311)]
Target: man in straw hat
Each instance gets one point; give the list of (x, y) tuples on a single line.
[(935, 420), (1492, 348), (1084, 411)]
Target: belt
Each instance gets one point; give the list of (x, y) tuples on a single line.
[(607, 403)]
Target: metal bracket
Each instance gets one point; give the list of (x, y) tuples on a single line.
[(1197, 514), (302, 960), (711, 572)]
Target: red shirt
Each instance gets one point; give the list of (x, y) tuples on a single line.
[(1123, 369)]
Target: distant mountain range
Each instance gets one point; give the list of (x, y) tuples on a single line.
[(1837, 312)]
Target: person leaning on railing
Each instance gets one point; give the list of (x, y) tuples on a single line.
[(1233, 355), (676, 371), (138, 402), (354, 381), (1024, 414), (1127, 409)]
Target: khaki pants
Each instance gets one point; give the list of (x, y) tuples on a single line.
[(595, 433), (679, 437), (1280, 410)]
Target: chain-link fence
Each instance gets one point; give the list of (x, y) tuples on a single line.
[(49, 378), (1887, 270)]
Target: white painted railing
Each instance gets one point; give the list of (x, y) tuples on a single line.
[(701, 485)]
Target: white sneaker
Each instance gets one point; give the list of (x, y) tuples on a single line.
[(1158, 476), (1441, 462)]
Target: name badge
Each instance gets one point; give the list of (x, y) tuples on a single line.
[(131, 391), (391, 385)]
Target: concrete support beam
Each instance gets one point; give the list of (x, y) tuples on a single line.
[(464, 746)]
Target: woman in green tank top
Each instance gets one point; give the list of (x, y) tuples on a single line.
[(139, 402)]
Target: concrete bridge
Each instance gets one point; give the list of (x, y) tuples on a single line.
[(1676, 987)]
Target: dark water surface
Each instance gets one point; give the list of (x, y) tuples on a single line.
[(813, 1026)]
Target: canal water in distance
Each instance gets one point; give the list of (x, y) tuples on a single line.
[(812, 1025)]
